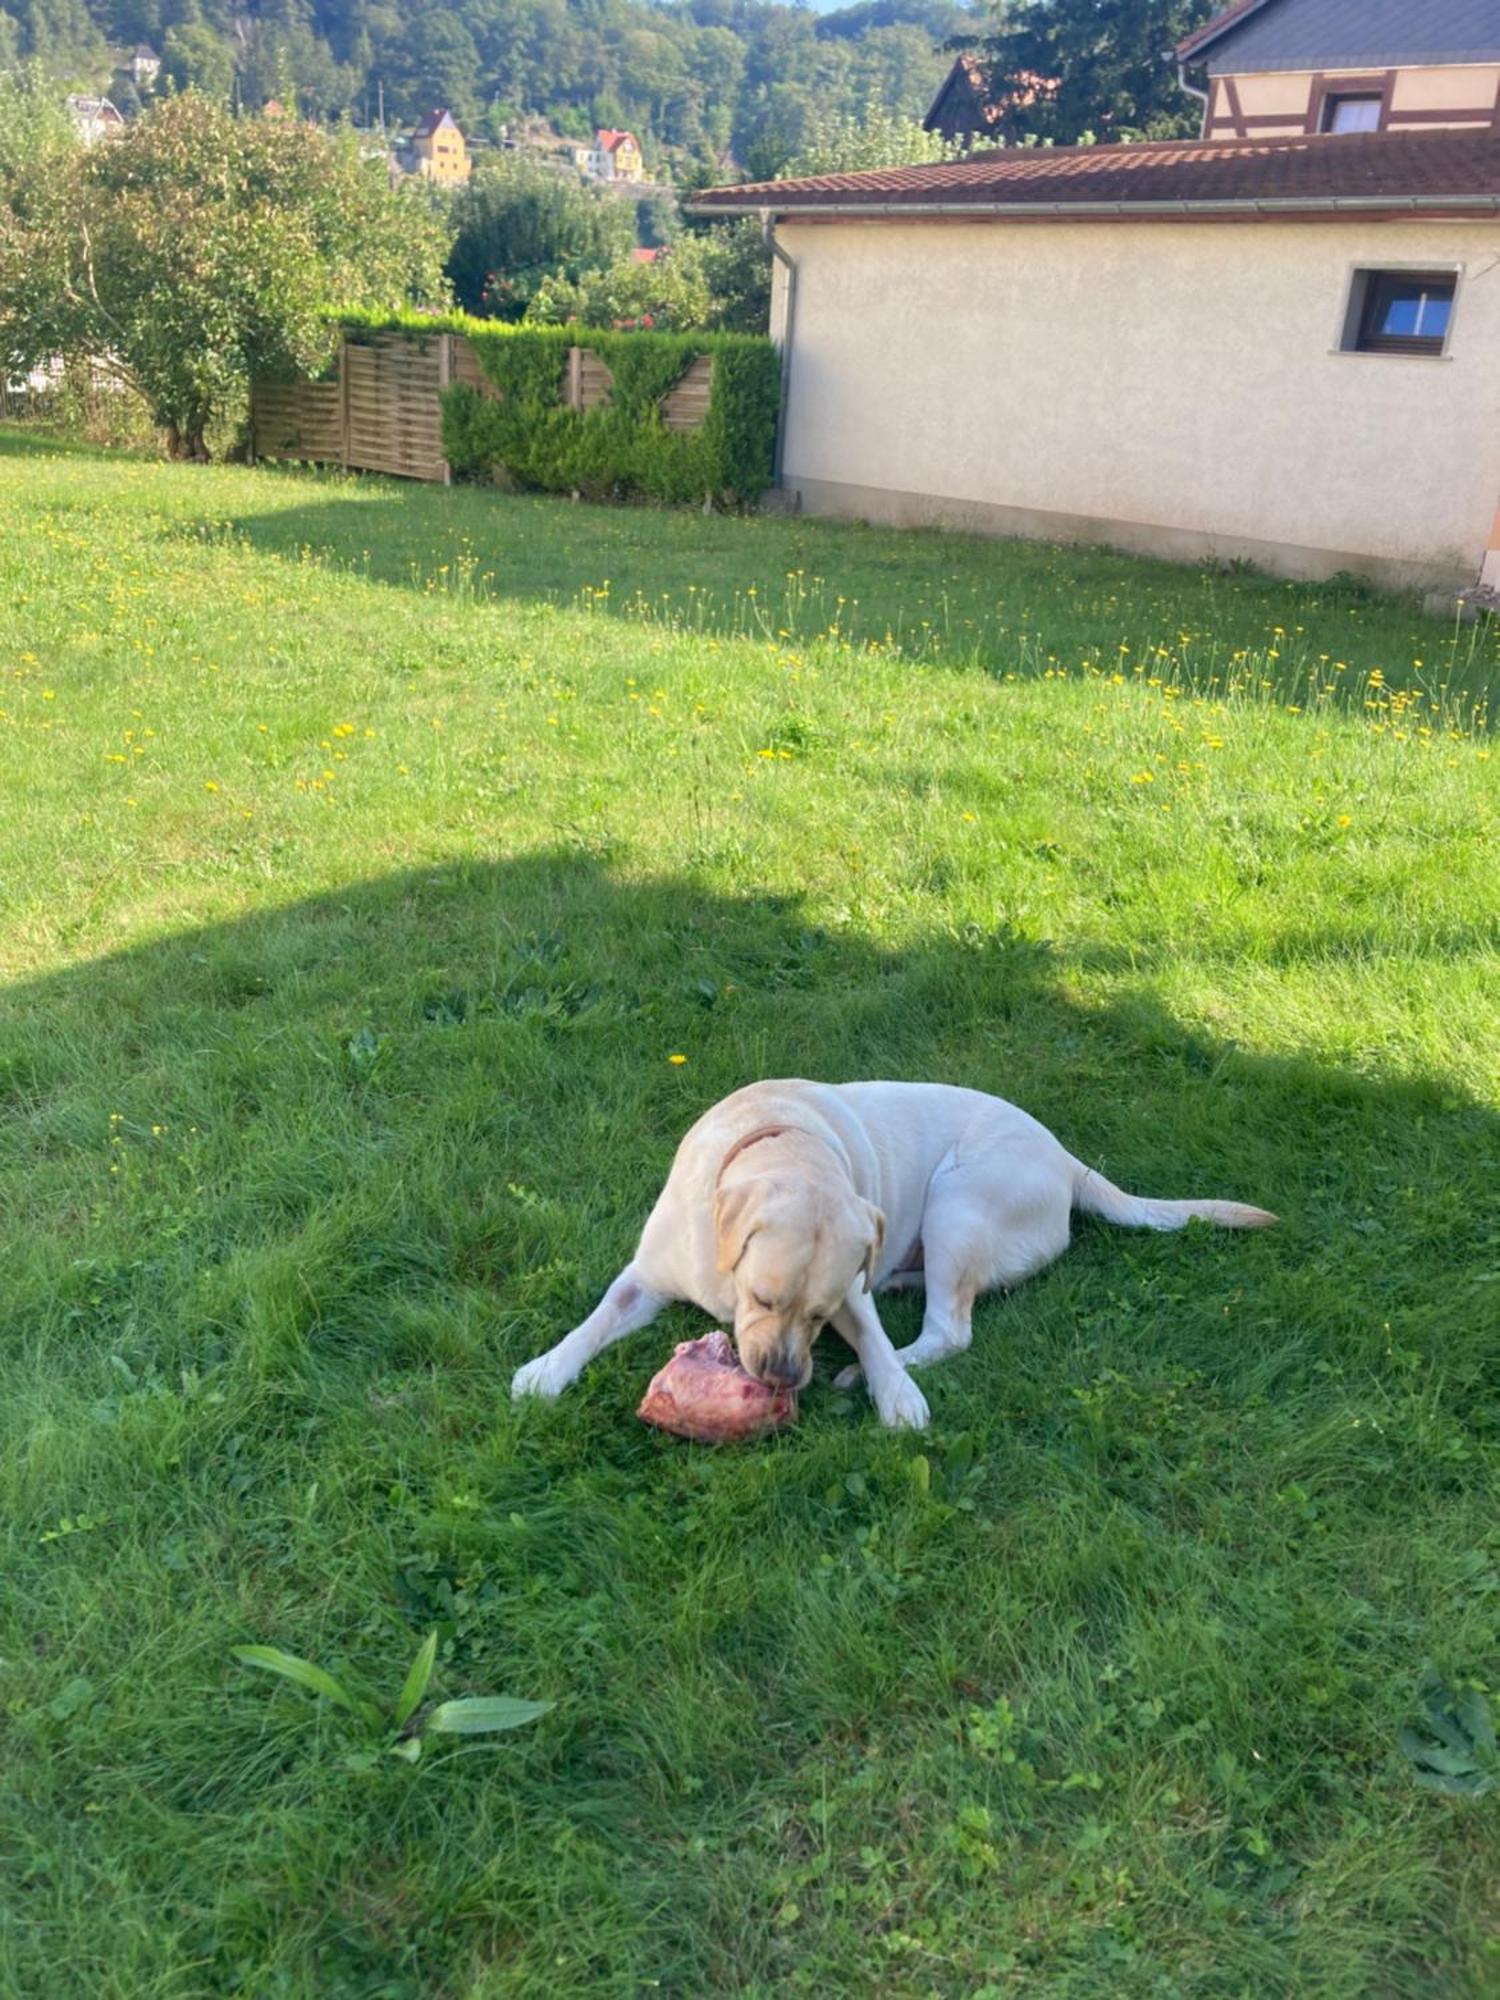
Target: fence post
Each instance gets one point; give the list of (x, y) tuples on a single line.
[(445, 378), (575, 378), (344, 400)]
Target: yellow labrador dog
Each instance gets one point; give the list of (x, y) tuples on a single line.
[(789, 1203)]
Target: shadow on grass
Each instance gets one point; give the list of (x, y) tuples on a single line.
[(472, 1063), (287, 1199), (1008, 606), (1018, 607)]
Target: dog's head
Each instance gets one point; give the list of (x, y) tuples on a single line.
[(794, 1245)]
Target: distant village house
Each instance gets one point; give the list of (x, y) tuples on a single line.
[(144, 66), (437, 150), (614, 156), (95, 119), (966, 108)]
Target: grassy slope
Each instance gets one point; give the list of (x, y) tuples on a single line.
[(366, 856)]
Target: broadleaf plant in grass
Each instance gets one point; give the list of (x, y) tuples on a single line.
[(1454, 1750), (401, 1730)]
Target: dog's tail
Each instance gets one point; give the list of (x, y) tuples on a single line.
[(1097, 1196)]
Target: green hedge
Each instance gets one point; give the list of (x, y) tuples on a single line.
[(624, 449)]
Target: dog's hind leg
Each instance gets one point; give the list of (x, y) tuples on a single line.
[(985, 1226), (628, 1305)]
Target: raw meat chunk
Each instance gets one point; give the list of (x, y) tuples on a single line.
[(703, 1393)]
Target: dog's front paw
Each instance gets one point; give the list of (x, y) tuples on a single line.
[(545, 1376), (901, 1404)]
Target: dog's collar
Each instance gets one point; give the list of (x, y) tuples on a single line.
[(750, 1139)]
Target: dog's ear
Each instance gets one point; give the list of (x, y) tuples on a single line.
[(876, 1220), (734, 1225)]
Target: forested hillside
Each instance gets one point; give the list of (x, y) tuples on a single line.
[(695, 79)]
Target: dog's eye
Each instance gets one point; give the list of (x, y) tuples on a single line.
[(764, 1304)]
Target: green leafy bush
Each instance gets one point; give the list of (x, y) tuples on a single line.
[(624, 450), (196, 250)]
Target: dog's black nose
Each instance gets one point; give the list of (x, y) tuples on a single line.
[(784, 1369)]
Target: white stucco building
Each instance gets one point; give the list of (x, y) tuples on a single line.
[(1286, 350)]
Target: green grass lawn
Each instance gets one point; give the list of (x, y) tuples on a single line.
[(368, 855)]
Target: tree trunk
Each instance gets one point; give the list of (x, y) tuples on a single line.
[(185, 441)]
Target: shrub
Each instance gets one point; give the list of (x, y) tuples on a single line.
[(197, 249), (670, 295), (625, 449), (518, 223)]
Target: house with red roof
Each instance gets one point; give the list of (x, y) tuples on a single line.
[(94, 118), (614, 156)]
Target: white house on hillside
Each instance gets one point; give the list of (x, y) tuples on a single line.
[(614, 156), (95, 118)]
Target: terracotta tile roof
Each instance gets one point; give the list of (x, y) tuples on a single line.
[(1421, 172)]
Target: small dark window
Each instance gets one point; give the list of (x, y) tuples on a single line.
[(1404, 312), (1352, 114)]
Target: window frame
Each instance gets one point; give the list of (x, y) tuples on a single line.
[(1381, 84), (1362, 298), (1335, 98)]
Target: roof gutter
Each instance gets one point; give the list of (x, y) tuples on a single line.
[(1340, 204)]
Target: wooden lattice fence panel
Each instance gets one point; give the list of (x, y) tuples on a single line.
[(393, 405), (588, 383), (382, 409), (298, 420), (467, 370), (685, 405)]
